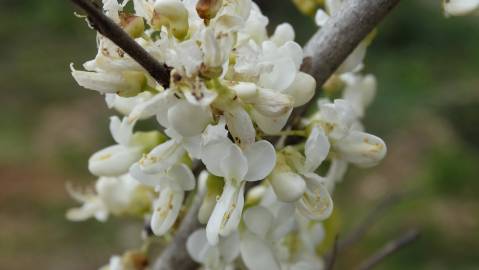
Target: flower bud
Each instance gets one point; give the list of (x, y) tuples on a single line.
[(207, 9), (272, 103), (282, 34), (114, 160), (133, 25), (172, 14), (302, 89), (288, 186)]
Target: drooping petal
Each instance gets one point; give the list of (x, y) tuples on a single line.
[(258, 220), (227, 213), (257, 254), (316, 202), (157, 105), (316, 149), (362, 149), (261, 158), (165, 210), (114, 160)]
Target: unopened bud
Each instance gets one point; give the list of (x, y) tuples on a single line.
[(133, 25), (288, 186), (302, 89), (172, 14), (207, 9)]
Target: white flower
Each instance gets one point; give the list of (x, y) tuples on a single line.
[(213, 257), (225, 159), (262, 236), (115, 195), (116, 159), (460, 7), (359, 91), (306, 188)]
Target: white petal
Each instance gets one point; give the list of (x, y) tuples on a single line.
[(240, 125), (316, 203), (284, 32), (197, 245), (362, 149), (187, 119), (234, 165), (256, 254), (272, 103), (227, 213), (152, 180), (114, 160), (258, 220), (211, 154), (460, 7), (316, 149), (284, 221), (162, 157), (321, 17), (181, 174), (121, 130), (288, 186), (165, 210), (302, 89), (294, 51), (270, 125), (157, 105), (229, 247), (355, 59), (261, 158), (282, 75)]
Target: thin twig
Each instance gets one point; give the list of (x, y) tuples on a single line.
[(330, 261), (371, 219), (112, 31), (389, 249)]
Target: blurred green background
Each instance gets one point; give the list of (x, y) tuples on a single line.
[(427, 111)]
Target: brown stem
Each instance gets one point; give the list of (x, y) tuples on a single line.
[(112, 31), (389, 249)]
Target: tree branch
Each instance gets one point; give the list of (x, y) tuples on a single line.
[(389, 249), (112, 31), (334, 42)]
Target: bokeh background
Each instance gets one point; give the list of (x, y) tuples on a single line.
[(427, 110)]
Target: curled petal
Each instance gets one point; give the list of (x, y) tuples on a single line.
[(288, 186), (182, 175), (181, 115), (270, 125), (162, 157), (316, 202)]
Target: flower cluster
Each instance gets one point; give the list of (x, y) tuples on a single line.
[(232, 86)]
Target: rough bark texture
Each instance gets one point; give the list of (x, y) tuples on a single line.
[(330, 46), (112, 31)]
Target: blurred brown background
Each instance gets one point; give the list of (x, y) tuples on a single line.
[(427, 110)]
